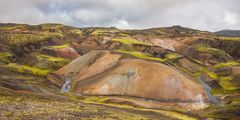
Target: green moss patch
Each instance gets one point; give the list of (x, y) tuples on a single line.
[(26, 69), (172, 56), (228, 83), (127, 47), (102, 100), (49, 62), (141, 55), (230, 38), (52, 34), (96, 99), (76, 32), (122, 35), (212, 75), (21, 40), (226, 64), (28, 106), (207, 72), (12, 27), (52, 27), (202, 45), (129, 41), (61, 46), (213, 51), (221, 91), (221, 112), (98, 32), (5, 57)]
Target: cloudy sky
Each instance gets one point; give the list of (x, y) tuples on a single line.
[(211, 15)]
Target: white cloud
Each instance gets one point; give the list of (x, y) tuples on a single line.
[(231, 18), (122, 24), (202, 14)]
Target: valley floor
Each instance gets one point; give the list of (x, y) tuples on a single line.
[(24, 105)]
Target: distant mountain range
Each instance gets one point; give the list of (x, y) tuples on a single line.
[(230, 33)]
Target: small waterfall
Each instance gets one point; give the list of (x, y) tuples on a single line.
[(200, 99), (66, 86)]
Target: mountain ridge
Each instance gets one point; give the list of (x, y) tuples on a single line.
[(228, 32)]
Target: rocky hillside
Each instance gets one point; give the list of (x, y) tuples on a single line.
[(230, 33), (169, 73)]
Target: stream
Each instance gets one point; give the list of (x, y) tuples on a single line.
[(66, 86), (207, 88)]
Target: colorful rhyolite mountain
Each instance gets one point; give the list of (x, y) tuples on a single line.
[(56, 71)]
